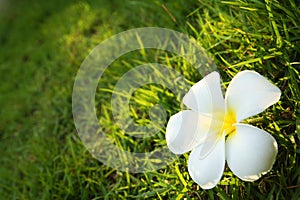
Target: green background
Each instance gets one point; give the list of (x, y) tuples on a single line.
[(42, 45)]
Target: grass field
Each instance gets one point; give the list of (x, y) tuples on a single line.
[(42, 45)]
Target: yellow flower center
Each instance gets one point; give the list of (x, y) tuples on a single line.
[(228, 122)]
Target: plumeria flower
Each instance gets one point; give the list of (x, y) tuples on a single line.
[(212, 128)]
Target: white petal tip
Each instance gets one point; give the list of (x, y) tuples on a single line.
[(207, 172), (249, 93), (185, 130), (205, 96), (251, 152)]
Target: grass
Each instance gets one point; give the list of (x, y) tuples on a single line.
[(42, 47)]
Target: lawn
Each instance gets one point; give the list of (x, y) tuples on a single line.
[(42, 46)]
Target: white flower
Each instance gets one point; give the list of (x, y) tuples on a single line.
[(212, 128)]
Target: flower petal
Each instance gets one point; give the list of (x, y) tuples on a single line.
[(206, 95), (250, 152), (209, 143), (249, 93), (208, 171), (186, 130)]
